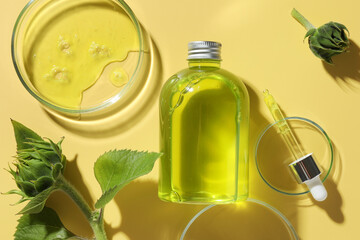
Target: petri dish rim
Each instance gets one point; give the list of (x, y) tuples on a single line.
[(106, 103), (286, 222), (299, 119)]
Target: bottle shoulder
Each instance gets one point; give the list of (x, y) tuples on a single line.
[(187, 75)]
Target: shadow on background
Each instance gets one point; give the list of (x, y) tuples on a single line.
[(346, 68), (258, 188), (287, 204), (145, 216), (334, 202), (128, 113), (332, 205), (68, 211), (274, 156), (246, 220)]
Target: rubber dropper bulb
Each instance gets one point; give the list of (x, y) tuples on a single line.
[(317, 188)]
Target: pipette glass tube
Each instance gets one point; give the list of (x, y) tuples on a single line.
[(303, 167), (283, 127)]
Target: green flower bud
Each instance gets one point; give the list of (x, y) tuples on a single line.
[(38, 166), (326, 41)]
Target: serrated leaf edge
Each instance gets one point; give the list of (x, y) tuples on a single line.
[(108, 192), (121, 185)]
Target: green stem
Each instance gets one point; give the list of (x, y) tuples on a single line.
[(98, 227), (302, 20), (96, 223)]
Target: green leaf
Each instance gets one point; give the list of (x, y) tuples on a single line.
[(37, 203), (22, 134), (114, 169), (45, 225), (107, 196)]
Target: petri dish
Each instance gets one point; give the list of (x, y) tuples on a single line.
[(251, 220), (109, 33), (272, 156)]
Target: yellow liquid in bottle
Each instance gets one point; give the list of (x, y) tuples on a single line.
[(72, 47), (205, 141)]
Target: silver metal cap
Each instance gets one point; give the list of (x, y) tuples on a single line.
[(305, 168), (204, 50)]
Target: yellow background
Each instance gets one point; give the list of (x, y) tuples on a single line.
[(263, 45)]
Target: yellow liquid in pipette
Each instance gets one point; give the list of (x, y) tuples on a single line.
[(283, 127)]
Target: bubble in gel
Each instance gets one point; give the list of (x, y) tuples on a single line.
[(119, 77)]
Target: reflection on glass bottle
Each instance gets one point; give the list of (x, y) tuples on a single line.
[(204, 118)]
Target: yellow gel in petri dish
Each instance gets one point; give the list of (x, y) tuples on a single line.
[(70, 44)]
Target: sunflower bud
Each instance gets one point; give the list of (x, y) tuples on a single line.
[(39, 162), (326, 41), (38, 167)]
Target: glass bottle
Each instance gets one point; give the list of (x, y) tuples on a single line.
[(204, 124)]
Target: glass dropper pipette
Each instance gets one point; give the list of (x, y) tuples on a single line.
[(304, 166), (284, 129)]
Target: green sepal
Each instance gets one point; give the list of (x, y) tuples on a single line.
[(51, 157), (43, 146), (27, 187), (43, 156), (327, 43), (18, 192), (57, 170), (63, 162), (15, 191), (23, 133), (60, 142), (339, 26), (37, 203), (322, 54), (33, 154), (25, 172), (43, 183), (54, 147), (45, 225), (36, 168), (310, 33), (21, 200)]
